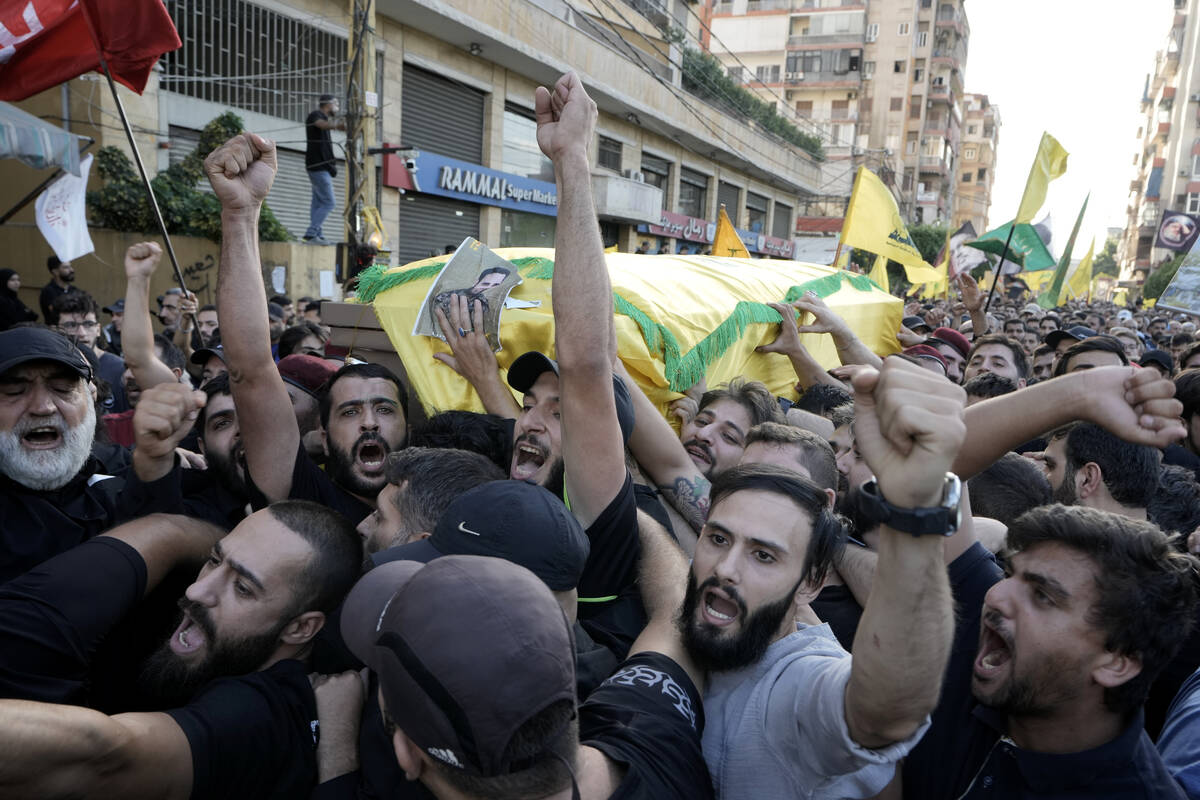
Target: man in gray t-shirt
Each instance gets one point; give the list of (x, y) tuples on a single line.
[(791, 714)]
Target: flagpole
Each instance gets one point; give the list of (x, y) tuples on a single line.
[(137, 158), (999, 268)]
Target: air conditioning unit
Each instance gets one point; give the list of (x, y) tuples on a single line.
[(1195, 98), (870, 38), (795, 76), (635, 175)]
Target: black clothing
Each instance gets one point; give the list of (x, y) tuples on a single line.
[(113, 336), (12, 310), (50, 293), (253, 736), (194, 492), (1180, 456), (39, 525), (1168, 682), (112, 370), (610, 605), (836, 606), (649, 717), (54, 616), (309, 482), (649, 501), (319, 153)]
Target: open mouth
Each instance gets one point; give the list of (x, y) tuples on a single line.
[(699, 453), (188, 637), (371, 456), (528, 458), (719, 610), (45, 437), (994, 653)]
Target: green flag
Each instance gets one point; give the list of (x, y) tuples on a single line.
[(1049, 298), (1026, 247)]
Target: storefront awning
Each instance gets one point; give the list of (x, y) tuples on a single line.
[(36, 142)]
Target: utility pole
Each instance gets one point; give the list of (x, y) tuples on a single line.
[(362, 108)]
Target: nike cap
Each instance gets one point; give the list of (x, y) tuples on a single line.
[(513, 520), (467, 650)]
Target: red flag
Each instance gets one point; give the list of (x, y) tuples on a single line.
[(46, 42)]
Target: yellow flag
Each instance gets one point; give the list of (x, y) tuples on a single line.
[(727, 242), (879, 273), (1049, 163), (940, 287), (612, 249), (873, 223), (1080, 282)]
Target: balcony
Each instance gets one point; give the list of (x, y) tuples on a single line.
[(952, 54), (810, 5), (845, 37), (927, 198), (769, 5), (838, 78), (933, 164)]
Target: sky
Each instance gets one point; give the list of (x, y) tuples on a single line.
[(1074, 68)]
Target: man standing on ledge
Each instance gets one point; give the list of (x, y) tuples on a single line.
[(320, 163)]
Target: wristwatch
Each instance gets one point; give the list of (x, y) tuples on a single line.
[(939, 520)]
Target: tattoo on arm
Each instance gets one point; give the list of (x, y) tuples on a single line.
[(690, 498)]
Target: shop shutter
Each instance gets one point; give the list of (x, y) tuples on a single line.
[(428, 224), (441, 116)]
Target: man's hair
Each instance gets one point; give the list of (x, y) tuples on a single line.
[(290, 339), (1103, 344), (1019, 359), (53, 263), (551, 737), (206, 307), (828, 537), (1189, 353), (1156, 320), (753, 396), (842, 415), (174, 290), (358, 371), (505, 271), (325, 99), (1015, 321), (1053, 317), (172, 356), (821, 398), (336, 562), (1187, 391), (1145, 590), (1008, 488), (215, 386), (1130, 471), (436, 477), (812, 452), (989, 384), (76, 303), (280, 300), (1042, 350), (1181, 339), (486, 434), (1175, 506)]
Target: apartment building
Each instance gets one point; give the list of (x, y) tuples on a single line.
[(882, 80), (1166, 161), (977, 164), (455, 82)]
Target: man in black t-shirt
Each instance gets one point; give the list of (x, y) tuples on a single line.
[(246, 724), (320, 163), (62, 276)]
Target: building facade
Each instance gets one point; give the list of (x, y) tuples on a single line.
[(454, 85), (1166, 161), (881, 80), (977, 164)]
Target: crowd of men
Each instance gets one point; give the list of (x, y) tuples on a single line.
[(960, 571)]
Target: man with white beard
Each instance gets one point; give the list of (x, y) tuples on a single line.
[(53, 494)]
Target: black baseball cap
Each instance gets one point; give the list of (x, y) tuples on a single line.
[(513, 520), (915, 324), (202, 355), (117, 307), (528, 367), (1078, 333), (1160, 357), (467, 650), (21, 345)]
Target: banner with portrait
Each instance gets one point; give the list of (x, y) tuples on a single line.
[(1177, 231)]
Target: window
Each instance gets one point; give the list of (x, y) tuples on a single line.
[(872, 31), (981, 174), (1193, 204), (729, 196), (899, 66), (966, 178), (971, 129), (804, 108), (1195, 166), (693, 193), (610, 154), (896, 104), (868, 70), (910, 144), (767, 74), (840, 109), (908, 179), (734, 73), (756, 211), (923, 39), (969, 153), (520, 154), (926, 3), (918, 74), (657, 172), (781, 221), (903, 29)]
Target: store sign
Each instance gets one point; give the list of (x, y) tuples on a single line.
[(777, 247), (678, 226), (449, 177)]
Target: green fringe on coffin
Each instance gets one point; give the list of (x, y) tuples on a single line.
[(682, 371)]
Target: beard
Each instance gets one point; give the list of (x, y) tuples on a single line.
[(169, 682), (341, 466), (1065, 492), (43, 470), (229, 469), (714, 652)]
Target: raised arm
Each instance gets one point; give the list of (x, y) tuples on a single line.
[(471, 356), (137, 333), (241, 172), (850, 348), (66, 751), (164, 415), (585, 338), (1137, 405), (973, 301), (808, 371), (908, 425), (661, 456)]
